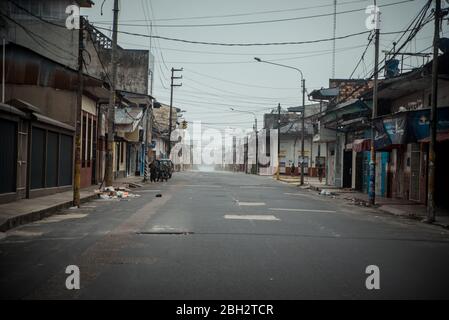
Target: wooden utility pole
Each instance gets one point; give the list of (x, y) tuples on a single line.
[(372, 163), (173, 70), (108, 175), (79, 108), (433, 117)]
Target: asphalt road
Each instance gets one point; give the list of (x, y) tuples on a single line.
[(224, 236)]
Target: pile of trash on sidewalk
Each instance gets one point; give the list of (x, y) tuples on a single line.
[(119, 193)]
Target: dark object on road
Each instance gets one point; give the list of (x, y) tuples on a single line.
[(158, 195)]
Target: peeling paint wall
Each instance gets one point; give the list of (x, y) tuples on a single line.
[(133, 65)]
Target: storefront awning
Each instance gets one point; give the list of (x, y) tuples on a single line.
[(409, 127), (441, 136), (52, 122), (353, 106)]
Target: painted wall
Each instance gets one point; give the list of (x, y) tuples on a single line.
[(58, 44)]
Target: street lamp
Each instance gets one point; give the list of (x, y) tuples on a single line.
[(257, 138), (303, 84)]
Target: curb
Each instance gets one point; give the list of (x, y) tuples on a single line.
[(25, 218), (412, 217)]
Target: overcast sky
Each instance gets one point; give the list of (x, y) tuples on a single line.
[(216, 78)]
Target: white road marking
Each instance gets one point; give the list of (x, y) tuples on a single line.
[(23, 233), (256, 187), (202, 185), (61, 217), (251, 203), (302, 210), (251, 217), (297, 194)]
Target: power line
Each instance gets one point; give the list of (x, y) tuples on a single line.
[(323, 53), (362, 57), (243, 54), (242, 44), (245, 14), (260, 21), (34, 35), (98, 55)]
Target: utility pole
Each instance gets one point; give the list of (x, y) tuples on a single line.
[(372, 163), (433, 117), (79, 108), (303, 83), (279, 142), (111, 110), (173, 70), (257, 145), (319, 142), (145, 148)]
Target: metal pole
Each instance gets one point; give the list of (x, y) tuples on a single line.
[(257, 147), (433, 117), (372, 164), (279, 142), (145, 148), (111, 109), (302, 128), (171, 113), (173, 70), (77, 171)]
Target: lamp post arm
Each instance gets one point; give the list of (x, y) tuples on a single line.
[(285, 66)]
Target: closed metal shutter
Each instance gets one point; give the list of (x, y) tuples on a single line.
[(8, 156), (415, 165), (51, 173), (65, 160), (37, 158)]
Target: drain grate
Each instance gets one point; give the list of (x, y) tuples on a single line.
[(165, 232)]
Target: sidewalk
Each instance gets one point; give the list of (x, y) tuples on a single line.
[(398, 207), (23, 211)]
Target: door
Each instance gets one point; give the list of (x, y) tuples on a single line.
[(359, 171), (347, 169), (415, 165), (8, 157)]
